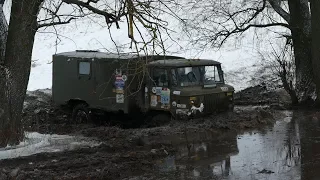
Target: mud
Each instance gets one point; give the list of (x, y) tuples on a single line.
[(261, 95), (202, 148), (180, 150)]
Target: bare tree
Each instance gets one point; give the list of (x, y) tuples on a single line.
[(277, 70), (283, 67), (285, 71), (24, 23), (15, 67), (214, 22), (315, 9)]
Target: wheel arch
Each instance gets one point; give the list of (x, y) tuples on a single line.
[(73, 102)]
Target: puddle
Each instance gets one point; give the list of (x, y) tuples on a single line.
[(271, 153), (35, 143)]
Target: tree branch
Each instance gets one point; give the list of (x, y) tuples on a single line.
[(110, 18), (266, 25), (258, 11), (276, 5), (224, 34), (55, 23), (94, 1)]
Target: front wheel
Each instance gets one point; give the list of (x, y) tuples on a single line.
[(81, 114), (230, 107), (156, 119)]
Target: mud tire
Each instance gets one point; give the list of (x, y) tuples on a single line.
[(81, 114), (157, 119), (230, 107)]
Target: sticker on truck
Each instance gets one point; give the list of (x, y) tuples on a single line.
[(124, 78), (165, 96), (158, 90), (154, 90), (119, 83), (153, 101), (118, 77), (176, 92), (119, 98)]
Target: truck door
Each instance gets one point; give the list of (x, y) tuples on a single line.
[(159, 93)]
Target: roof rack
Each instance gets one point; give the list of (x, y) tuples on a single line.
[(87, 51)]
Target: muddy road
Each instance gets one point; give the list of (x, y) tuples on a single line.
[(252, 143)]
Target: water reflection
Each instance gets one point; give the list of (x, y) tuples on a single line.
[(204, 159), (271, 153), (310, 144)]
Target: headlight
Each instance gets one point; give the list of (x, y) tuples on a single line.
[(229, 93), (174, 104), (192, 100)]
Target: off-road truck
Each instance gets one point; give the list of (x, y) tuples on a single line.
[(93, 81)]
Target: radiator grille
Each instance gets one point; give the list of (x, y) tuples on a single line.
[(210, 102)]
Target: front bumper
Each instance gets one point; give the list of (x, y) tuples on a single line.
[(206, 104), (191, 112)]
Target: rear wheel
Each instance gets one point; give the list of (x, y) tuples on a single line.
[(81, 114)]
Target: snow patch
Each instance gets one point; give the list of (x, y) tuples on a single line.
[(35, 143)]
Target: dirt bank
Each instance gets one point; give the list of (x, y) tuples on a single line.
[(260, 95)]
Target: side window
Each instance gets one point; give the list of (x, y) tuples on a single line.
[(84, 68), (212, 73), (216, 74), (160, 77)]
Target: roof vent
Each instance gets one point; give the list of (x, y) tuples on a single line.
[(87, 50)]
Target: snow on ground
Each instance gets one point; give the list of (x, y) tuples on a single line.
[(35, 143)]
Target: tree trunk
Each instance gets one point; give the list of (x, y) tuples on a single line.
[(3, 34), (315, 21), (289, 88), (16, 68), (300, 25)]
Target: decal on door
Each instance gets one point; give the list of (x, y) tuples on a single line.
[(153, 101), (160, 96), (165, 96), (158, 91)]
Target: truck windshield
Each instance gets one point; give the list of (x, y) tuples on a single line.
[(198, 75)]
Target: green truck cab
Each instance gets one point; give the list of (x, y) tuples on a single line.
[(92, 81)]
